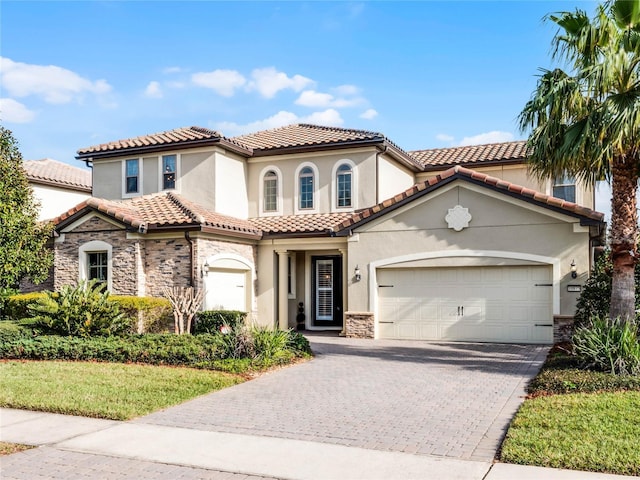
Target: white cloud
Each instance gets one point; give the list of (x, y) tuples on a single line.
[(14, 112), (489, 137), (54, 84), (443, 137), (311, 98), (223, 82), (280, 119), (153, 90), (369, 114), (346, 90), (268, 81)]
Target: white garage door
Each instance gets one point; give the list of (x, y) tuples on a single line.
[(226, 290), (484, 304)]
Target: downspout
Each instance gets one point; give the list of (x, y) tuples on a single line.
[(187, 237)]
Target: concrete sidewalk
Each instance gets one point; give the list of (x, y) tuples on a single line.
[(78, 447)]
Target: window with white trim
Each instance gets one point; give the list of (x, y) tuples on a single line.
[(270, 192), (98, 266), (344, 186), (169, 172), (132, 176), (95, 262), (564, 187), (305, 191)]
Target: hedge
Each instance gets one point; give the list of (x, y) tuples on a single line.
[(148, 314), (211, 321)]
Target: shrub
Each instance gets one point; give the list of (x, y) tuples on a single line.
[(83, 311), (595, 299), (609, 345), (5, 295), (17, 305), (211, 321), (10, 330), (148, 314), (573, 380)]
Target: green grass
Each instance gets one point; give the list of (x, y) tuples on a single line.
[(103, 390), (9, 448), (597, 432)]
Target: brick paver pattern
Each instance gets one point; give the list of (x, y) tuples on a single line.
[(47, 463), (445, 399)]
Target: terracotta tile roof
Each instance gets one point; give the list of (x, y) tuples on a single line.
[(306, 136), (303, 135), (309, 223), (473, 154), (161, 210), (52, 172), (469, 175), (178, 136)]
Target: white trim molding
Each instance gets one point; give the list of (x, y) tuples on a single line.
[(124, 178), (95, 246), (279, 197), (316, 181), (334, 186)]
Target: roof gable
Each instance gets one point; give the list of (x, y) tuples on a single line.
[(586, 215), (159, 212)]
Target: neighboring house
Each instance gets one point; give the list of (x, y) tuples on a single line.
[(446, 244), (57, 186)]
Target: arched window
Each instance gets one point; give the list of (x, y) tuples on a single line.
[(305, 192), (270, 192), (344, 185)]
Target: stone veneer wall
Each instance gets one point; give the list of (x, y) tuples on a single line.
[(124, 264), (359, 325), (562, 328), (167, 263)]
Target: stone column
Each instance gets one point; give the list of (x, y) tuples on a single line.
[(283, 291)]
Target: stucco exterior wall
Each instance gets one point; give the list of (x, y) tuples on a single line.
[(519, 175), (499, 224), (55, 200), (107, 179), (365, 178), (231, 197), (392, 178), (150, 175)]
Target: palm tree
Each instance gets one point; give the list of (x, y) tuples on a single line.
[(585, 122)]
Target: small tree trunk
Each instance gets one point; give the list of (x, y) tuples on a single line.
[(624, 237)]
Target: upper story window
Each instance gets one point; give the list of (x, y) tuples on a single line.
[(344, 185), (132, 176), (270, 192), (305, 191), (564, 187), (169, 172)]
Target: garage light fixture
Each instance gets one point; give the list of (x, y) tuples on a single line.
[(356, 273), (205, 269), (574, 272)]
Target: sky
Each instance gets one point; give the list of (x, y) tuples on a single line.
[(427, 74)]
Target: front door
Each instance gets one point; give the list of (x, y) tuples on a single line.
[(327, 291)]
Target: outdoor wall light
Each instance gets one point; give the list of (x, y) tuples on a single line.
[(205, 269), (574, 272), (357, 273)]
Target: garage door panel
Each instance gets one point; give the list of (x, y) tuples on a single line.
[(467, 304)]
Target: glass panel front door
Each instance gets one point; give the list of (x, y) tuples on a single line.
[(327, 291)]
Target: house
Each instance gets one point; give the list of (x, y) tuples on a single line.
[(374, 241), (56, 185)]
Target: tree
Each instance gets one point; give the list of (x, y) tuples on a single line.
[(585, 122), (186, 302), (23, 240)]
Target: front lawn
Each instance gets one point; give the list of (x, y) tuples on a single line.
[(598, 432), (577, 419), (103, 390)]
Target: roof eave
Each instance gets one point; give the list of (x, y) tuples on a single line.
[(121, 152), (53, 183), (481, 163), (340, 145)]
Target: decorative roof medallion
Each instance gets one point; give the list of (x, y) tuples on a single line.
[(458, 218)]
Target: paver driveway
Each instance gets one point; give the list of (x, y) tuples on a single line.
[(449, 399)]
